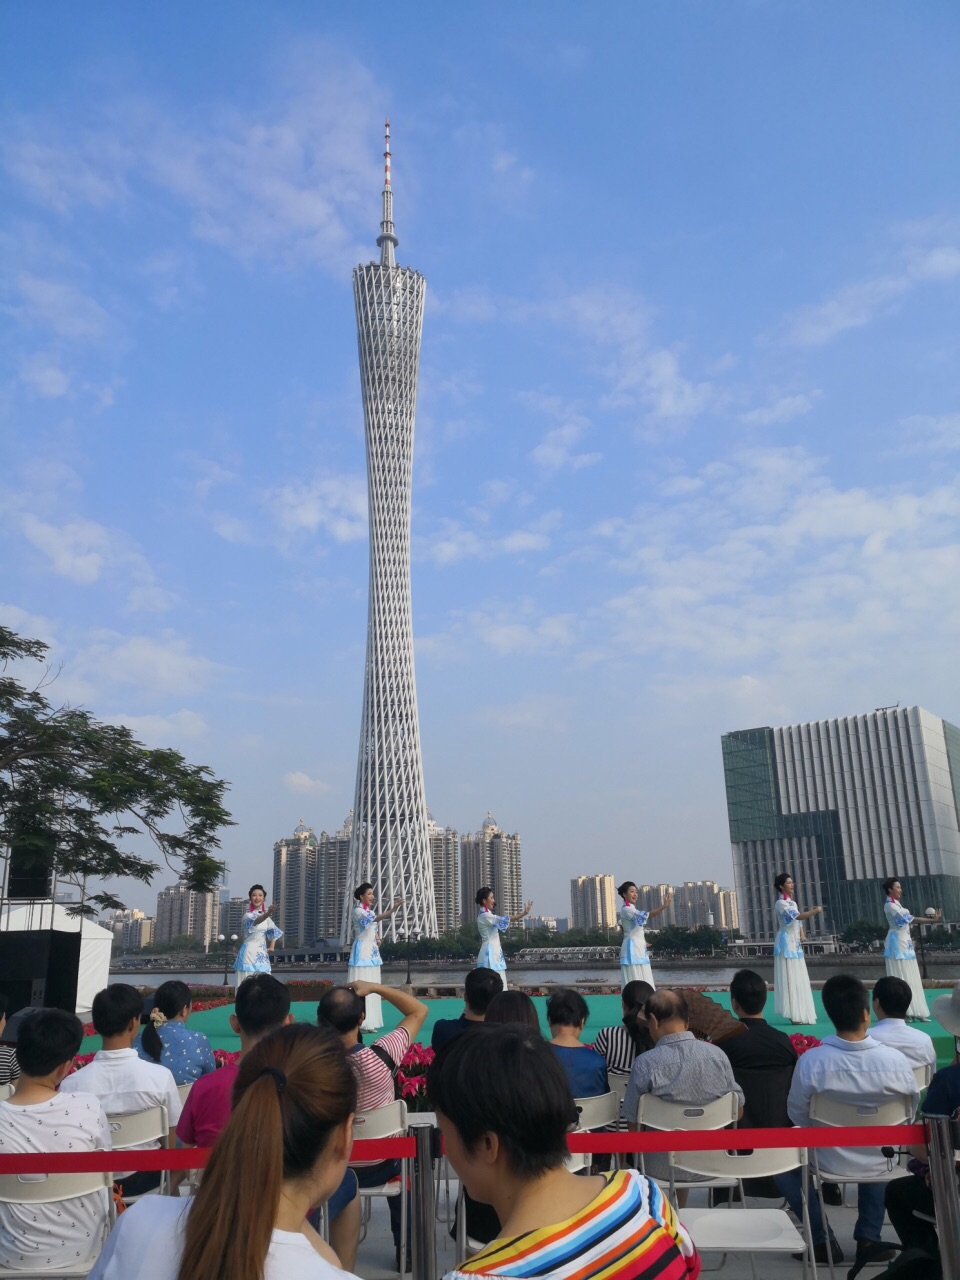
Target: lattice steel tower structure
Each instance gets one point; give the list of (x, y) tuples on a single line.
[(389, 844)]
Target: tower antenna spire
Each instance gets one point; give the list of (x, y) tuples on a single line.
[(387, 240)]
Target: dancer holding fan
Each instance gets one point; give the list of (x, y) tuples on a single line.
[(898, 953), (260, 936)]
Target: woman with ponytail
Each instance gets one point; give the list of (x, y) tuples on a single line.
[(620, 1045), (167, 1039), (284, 1150)]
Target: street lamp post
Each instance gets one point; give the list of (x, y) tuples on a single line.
[(226, 954), (411, 939)]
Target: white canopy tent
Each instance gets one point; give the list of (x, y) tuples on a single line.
[(95, 941)]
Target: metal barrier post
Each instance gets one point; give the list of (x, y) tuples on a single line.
[(946, 1196), (424, 1202)]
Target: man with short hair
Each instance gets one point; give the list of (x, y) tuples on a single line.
[(763, 1063), (679, 1067), (342, 1008), (852, 1067), (38, 1117), (479, 988), (120, 1078), (891, 1000)]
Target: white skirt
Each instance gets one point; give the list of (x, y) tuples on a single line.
[(792, 997), (636, 973), (373, 1017), (909, 971)]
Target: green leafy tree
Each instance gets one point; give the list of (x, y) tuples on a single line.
[(79, 796), (862, 932)]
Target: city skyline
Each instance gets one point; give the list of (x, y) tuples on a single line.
[(688, 426)]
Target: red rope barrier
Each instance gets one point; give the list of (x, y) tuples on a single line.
[(376, 1149)]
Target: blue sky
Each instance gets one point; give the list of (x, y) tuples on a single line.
[(689, 422)]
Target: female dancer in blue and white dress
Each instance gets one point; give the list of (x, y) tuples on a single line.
[(260, 936), (634, 957), (490, 955), (792, 997), (365, 952), (898, 953)]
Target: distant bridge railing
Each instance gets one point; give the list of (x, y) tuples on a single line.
[(577, 955)]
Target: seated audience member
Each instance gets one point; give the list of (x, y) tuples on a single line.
[(679, 1068), (852, 1067), (167, 1039), (515, 1007), (120, 1078), (479, 988), (763, 1063), (905, 1196), (37, 1118), (618, 1046), (891, 1000), (585, 1070), (342, 1009), (8, 1055), (504, 1107), (284, 1150)]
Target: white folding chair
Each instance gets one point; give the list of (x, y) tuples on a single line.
[(923, 1074), (389, 1121), (618, 1085), (599, 1112), (129, 1129), (184, 1090), (52, 1188), (825, 1110), (6, 1090), (658, 1113), (747, 1230)]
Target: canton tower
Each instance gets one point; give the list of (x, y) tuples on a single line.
[(389, 845)]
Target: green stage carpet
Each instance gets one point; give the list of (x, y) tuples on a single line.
[(605, 1011)]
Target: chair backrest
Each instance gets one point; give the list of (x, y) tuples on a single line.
[(618, 1083), (382, 1122), (48, 1188), (599, 1111), (923, 1074), (658, 1113), (730, 1164), (184, 1090), (134, 1128), (833, 1112), (6, 1090)]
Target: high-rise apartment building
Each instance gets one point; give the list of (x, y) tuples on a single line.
[(491, 857), (728, 916), (696, 904), (183, 913), (295, 886), (334, 886), (842, 804), (231, 917), (445, 856), (389, 845), (131, 929), (593, 903)]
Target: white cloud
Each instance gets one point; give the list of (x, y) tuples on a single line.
[(336, 504), (157, 665), (303, 784), (857, 304), (454, 542), (557, 450), (78, 550), (537, 714), (59, 306), (930, 433), (784, 409), (43, 375), (164, 730), (288, 179)]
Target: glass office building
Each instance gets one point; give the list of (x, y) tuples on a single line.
[(842, 804)]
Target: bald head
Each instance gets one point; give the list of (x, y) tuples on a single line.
[(342, 1009), (667, 1013)]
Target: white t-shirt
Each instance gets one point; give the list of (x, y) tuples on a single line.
[(36, 1236), (148, 1240), (916, 1046)]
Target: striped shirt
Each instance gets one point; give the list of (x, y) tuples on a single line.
[(614, 1044), (628, 1232)]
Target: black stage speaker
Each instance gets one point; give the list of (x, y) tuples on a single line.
[(31, 865), (40, 967)]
